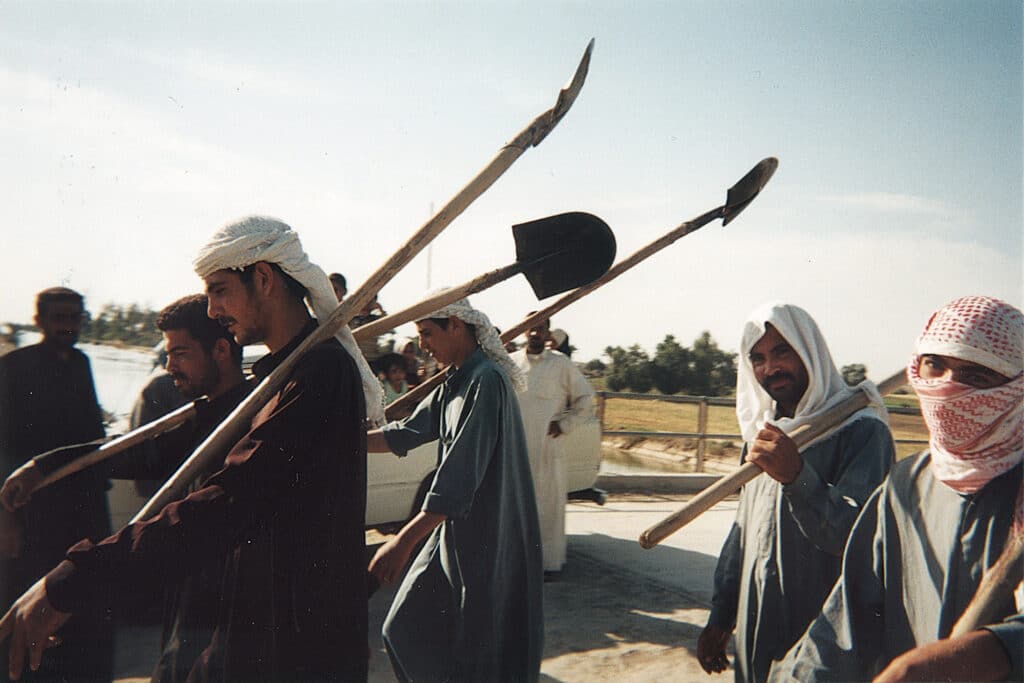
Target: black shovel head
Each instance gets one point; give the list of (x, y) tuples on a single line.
[(562, 252), (749, 186)]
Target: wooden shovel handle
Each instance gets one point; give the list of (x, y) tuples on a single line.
[(999, 582), (729, 485)]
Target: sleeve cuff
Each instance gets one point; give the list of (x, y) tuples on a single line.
[(441, 505), (1011, 635), (806, 485), (395, 442), (63, 587)]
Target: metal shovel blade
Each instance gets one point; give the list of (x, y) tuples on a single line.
[(748, 187), (562, 252)]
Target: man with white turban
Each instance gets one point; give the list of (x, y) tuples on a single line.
[(782, 555), (469, 608), (282, 523), (926, 537)]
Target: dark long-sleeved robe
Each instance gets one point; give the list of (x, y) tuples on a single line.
[(782, 555), (189, 606), (469, 608), (284, 519), (46, 402), (913, 562)]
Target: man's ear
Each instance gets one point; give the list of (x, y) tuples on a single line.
[(264, 278), (221, 350)]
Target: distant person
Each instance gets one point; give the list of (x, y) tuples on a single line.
[(370, 312), (413, 364), (559, 341), (158, 397), (284, 520), (339, 285), (47, 399), (557, 399), (392, 367), (469, 608), (782, 555), (930, 533), (203, 360)]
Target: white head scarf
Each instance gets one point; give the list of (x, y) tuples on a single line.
[(486, 337), (825, 386), (259, 238)]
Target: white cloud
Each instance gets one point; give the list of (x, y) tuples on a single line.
[(891, 202)]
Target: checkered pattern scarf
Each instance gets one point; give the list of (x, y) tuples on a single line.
[(975, 434)]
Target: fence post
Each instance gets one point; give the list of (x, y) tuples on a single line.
[(702, 429), (599, 409)]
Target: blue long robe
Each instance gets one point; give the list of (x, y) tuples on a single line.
[(470, 606), (913, 563), (783, 554)]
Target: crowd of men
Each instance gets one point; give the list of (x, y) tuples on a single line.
[(841, 565)]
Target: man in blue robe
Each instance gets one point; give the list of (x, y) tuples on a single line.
[(470, 606)]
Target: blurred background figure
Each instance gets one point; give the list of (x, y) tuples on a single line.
[(339, 285)]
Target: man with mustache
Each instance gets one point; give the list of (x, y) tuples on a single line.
[(939, 522), (282, 522), (782, 554)]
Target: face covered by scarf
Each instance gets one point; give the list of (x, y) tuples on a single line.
[(976, 434), (259, 238)]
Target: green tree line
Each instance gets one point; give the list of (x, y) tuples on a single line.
[(129, 324)]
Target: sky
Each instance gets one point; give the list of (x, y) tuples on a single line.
[(132, 131)]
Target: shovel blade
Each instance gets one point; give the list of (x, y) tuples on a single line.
[(748, 187), (562, 252)]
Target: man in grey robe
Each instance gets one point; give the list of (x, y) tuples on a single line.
[(917, 553), (470, 606), (782, 555)]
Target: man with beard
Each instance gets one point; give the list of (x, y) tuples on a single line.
[(283, 520), (47, 399), (782, 555), (930, 533), (557, 399), (203, 360)]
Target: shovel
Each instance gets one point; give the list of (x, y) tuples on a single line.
[(555, 254)]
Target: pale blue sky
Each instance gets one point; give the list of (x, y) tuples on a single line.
[(133, 130)]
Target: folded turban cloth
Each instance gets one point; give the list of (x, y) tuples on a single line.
[(975, 434), (486, 336), (259, 238), (825, 386)]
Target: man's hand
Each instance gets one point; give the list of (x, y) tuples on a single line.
[(390, 560), (776, 454), (10, 535), (31, 623), (711, 649), (18, 488), (554, 431), (974, 656)]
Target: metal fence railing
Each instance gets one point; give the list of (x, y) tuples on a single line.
[(702, 435)]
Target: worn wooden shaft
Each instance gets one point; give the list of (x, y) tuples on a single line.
[(237, 423), (996, 587), (725, 487), (123, 442)]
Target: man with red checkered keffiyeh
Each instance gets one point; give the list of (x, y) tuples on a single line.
[(917, 553)]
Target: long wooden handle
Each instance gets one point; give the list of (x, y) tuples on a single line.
[(729, 485), (123, 442), (218, 443), (998, 583)]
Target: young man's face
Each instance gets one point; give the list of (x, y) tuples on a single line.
[(537, 336), (437, 341), (235, 306), (932, 366), (195, 371), (61, 323), (778, 368)]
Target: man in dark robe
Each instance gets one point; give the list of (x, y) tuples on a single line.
[(47, 399), (203, 360), (285, 515), (470, 606)]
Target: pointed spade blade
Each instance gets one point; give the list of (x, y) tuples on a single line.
[(748, 187)]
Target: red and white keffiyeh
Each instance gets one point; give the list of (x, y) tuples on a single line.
[(975, 434)]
